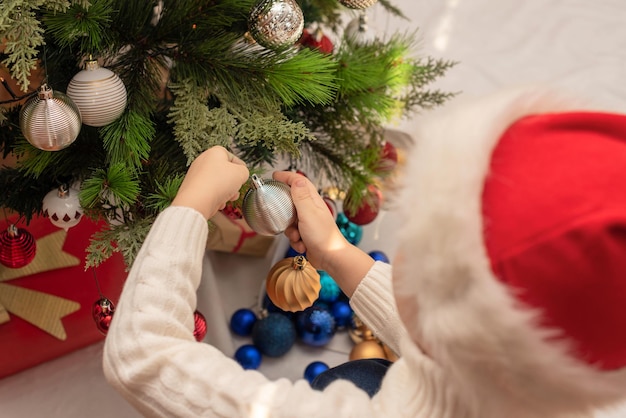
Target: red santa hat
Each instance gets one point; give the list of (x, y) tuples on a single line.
[(516, 229)]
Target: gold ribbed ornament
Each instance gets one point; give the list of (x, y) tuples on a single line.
[(357, 4), (293, 284)]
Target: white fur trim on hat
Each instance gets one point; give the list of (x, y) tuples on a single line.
[(487, 343)]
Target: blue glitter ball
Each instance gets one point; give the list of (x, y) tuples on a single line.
[(313, 369), (248, 356), (315, 326), (351, 231), (330, 291), (274, 335), (242, 321), (379, 256), (342, 312)]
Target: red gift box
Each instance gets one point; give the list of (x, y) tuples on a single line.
[(229, 232), (53, 296)]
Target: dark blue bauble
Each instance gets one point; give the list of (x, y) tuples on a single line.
[(313, 369), (315, 326), (274, 335), (379, 256), (248, 356), (293, 253), (330, 291), (242, 321), (351, 231), (269, 306), (342, 312)]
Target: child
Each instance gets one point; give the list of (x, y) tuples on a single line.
[(506, 300)]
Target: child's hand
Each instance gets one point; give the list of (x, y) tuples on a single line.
[(315, 231), (213, 179)]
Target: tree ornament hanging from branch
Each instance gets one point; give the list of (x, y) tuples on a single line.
[(99, 94), (50, 120), (276, 24)]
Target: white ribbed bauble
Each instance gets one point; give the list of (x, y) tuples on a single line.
[(99, 94), (50, 121), (62, 207)]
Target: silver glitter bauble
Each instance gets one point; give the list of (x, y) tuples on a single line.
[(357, 4), (276, 24), (50, 121), (268, 207), (99, 94)]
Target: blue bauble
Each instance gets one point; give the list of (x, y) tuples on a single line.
[(315, 326), (269, 306), (292, 253), (242, 321), (248, 356), (274, 335), (313, 369), (330, 291), (351, 231), (342, 312), (379, 256)]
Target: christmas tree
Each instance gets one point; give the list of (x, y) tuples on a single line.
[(280, 83)]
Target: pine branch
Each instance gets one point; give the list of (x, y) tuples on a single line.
[(127, 140), (23, 34)]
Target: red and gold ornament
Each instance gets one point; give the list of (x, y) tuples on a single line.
[(102, 312)]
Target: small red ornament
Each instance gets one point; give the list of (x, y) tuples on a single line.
[(317, 40), (17, 247), (102, 312), (332, 206), (388, 158), (369, 208), (199, 330)]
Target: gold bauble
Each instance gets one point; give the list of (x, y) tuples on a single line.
[(389, 354), (360, 332), (367, 349), (293, 284)]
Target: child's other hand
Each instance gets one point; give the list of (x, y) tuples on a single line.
[(315, 231), (213, 179)]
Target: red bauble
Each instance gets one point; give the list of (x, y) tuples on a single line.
[(369, 208), (388, 158), (317, 40), (199, 330), (17, 247), (102, 312), (331, 205)]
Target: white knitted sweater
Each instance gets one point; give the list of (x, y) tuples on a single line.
[(153, 360)]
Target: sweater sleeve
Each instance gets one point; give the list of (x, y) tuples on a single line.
[(153, 360), (374, 304)]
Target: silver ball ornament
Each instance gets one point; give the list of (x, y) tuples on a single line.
[(267, 207), (50, 121), (99, 94), (276, 24)]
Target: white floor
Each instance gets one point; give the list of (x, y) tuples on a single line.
[(578, 45)]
